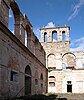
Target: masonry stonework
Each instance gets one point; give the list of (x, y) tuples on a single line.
[(22, 68), (65, 67)]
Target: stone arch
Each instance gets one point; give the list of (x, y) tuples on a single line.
[(54, 36), (16, 13), (69, 59), (51, 61), (27, 80), (52, 78), (27, 34)]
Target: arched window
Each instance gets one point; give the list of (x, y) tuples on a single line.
[(45, 37), (51, 81), (51, 84), (11, 21), (52, 78), (63, 36), (51, 61), (69, 60), (26, 38), (28, 71), (14, 19), (27, 80), (54, 36)]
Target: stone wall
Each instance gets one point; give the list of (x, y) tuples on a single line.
[(22, 68), (65, 67)]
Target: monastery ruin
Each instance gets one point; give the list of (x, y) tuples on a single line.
[(65, 67), (32, 68), (22, 68)]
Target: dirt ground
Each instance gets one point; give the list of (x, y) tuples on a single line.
[(71, 96)]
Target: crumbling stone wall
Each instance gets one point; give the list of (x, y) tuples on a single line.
[(19, 63), (65, 67)]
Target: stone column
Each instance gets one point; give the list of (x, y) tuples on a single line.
[(22, 32), (49, 36), (67, 35), (42, 36), (4, 12), (59, 35)]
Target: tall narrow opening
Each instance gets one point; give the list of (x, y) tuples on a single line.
[(11, 21), (63, 36), (26, 39), (54, 36), (69, 86), (27, 80), (45, 37)]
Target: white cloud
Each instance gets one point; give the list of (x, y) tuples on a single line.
[(10, 13), (78, 45), (76, 9), (10, 16), (49, 25)]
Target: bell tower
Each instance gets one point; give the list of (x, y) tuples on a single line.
[(55, 42), (57, 37)]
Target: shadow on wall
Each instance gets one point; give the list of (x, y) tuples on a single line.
[(41, 97)]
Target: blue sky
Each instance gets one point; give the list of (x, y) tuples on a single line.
[(56, 12)]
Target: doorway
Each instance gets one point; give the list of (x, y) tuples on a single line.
[(69, 86), (27, 80)]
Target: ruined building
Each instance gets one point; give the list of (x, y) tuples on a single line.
[(65, 67), (22, 68)]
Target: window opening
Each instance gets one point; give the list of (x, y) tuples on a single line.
[(26, 39), (54, 36), (51, 84), (11, 21), (36, 82), (14, 76), (45, 37), (63, 36)]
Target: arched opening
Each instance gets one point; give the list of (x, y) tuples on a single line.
[(27, 35), (11, 21), (16, 19), (51, 80), (63, 36), (26, 39), (51, 84), (27, 80), (54, 36), (45, 37), (51, 61), (69, 60)]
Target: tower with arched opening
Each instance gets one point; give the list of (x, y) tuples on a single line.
[(64, 65)]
